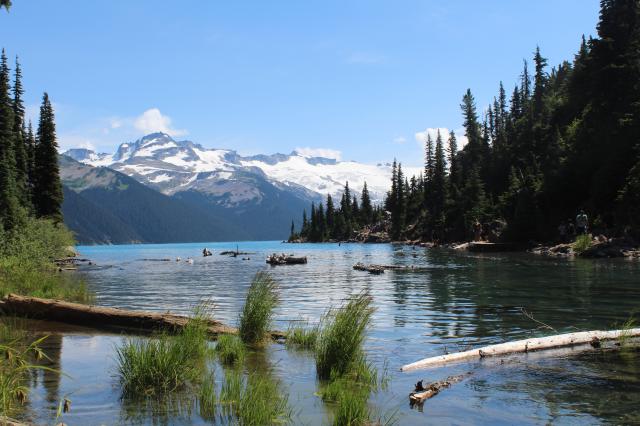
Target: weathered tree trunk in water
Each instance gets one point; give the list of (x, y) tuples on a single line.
[(527, 345), (102, 317)]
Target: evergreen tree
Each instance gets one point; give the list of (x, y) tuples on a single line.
[(10, 214), (329, 219), (366, 210), (439, 185), (19, 148), (47, 184)]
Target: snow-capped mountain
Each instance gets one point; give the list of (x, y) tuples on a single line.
[(172, 167)]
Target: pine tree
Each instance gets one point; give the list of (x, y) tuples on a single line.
[(19, 148), (47, 186), (366, 210), (439, 185), (330, 216), (10, 214)]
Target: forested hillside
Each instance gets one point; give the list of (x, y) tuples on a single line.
[(564, 139)]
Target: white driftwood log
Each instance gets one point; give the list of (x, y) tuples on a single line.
[(526, 345)]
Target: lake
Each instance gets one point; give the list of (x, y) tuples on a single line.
[(460, 301)]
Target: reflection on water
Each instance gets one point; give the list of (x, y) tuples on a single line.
[(458, 301)]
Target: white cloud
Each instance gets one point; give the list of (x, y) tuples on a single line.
[(319, 152), (421, 137), (399, 140), (67, 141), (152, 121)]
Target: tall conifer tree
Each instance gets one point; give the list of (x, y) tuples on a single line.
[(47, 186), (9, 206)]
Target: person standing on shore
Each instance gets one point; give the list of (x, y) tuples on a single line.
[(582, 223)]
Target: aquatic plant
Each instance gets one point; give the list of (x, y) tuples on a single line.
[(230, 349), (302, 337), (262, 402), (582, 243), (257, 312), (342, 332), (254, 400), (165, 362), (207, 398), (15, 370)]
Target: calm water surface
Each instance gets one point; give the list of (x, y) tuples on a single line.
[(460, 301)]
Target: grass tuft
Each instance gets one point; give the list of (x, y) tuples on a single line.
[(164, 363), (342, 332), (207, 398), (256, 316), (230, 349), (582, 243), (302, 337)]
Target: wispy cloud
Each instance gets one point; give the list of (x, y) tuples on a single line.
[(399, 140), (319, 152)]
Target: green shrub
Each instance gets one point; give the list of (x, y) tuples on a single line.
[(342, 332), (257, 312), (26, 262), (230, 349), (582, 243)]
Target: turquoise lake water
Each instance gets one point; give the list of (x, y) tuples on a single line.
[(459, 301)]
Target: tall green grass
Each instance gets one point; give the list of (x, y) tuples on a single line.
[(255, 400), (230, 349), (164, 363), (338, 349), (16, 368), (257, 313), (303, 337)]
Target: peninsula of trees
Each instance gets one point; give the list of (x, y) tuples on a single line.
[(563, 139)]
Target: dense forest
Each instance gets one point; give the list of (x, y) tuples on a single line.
[(30, 184), (562, 140)]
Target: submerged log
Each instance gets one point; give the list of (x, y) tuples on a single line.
[(283, 259), (526, 345), (102, 317), (372, 269), (421, 393), (379, 269)]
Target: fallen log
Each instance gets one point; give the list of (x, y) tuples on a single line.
[(283, 259), (379, 269), (103, 317), (526, 345), (372, 269), (421, 393)]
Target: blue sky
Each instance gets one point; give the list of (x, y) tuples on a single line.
[(357, 77)]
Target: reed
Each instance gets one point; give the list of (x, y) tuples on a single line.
[(257, 313), (16, 368), (302, 337), (207, 398), (164, 363), (230, 349), (342, 332)]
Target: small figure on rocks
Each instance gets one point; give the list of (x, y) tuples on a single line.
[(582, 223), (562, 232), (477, 231)]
